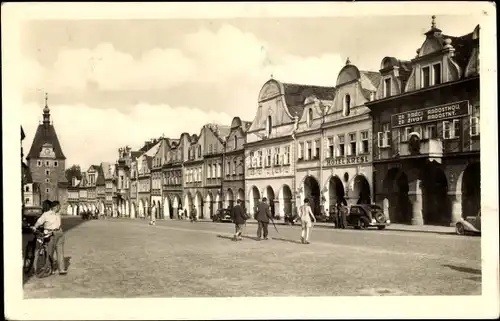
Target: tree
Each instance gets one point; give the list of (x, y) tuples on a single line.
[(73, 171)]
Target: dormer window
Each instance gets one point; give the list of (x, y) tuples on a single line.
[(269, 125), (387, 87), (347, 105), (309, 117), (431, 75)]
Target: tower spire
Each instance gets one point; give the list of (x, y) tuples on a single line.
[(46, 111), (433, 24)]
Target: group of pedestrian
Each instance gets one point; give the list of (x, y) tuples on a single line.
[(340, 217), (263, 216)]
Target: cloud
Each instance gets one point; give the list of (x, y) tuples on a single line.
[(91, 135), (231, 66)]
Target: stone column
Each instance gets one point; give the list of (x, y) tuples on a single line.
[(456, 207), (278, 211), (415, 196)]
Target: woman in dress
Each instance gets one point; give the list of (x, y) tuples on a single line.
[(306, 217)]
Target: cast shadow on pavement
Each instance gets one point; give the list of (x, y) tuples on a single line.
[(463, 269), (243, 236), (286, 240)]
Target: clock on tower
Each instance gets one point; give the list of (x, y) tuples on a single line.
[(47, 151)]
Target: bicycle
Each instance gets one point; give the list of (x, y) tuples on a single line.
[(37, 260)]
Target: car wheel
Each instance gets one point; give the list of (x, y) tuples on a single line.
[(362, 223), (460, 229), (380, 217), (381, 227)]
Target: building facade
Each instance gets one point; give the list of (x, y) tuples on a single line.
[(270, 148), (214, 137), (233, 183), (426, 132), (47, 162), (173, 187), (194, 178)]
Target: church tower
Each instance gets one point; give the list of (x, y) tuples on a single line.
[(46, 161)]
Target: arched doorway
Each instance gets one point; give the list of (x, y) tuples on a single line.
[(285, 201), (141, 208), (209, 206), (360, 191), (229, 198), (241, 197), (471, 190), (167, 210), (312, 192), (133, 210), (218, 201), (188, 202), (396, 189), (436, 207), (198, 204), (253, 199), (269, 194), (336, 193)]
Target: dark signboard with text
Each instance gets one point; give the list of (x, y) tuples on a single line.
[(431, 114)]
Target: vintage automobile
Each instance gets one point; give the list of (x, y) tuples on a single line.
[(222, 215), (471, 224), (363, 216)]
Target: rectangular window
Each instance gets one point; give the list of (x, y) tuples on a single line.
[(387, 87), (451, 129), (352, 144), (341, 145), (436, 74), (259, 159), (268, 157), (430, 132), (219, 171), (405, 133), (47, 172), (56, 164), (301, 150), (228, 169), (286, 160), (309, 150), (234, 166), (317, 145), (39, 163), (330, 147), (47, 163), (251, 163), (474, 122), (47, 190), (364, 142), (210, 149), (276, 156), (47, 180), (426, 77)]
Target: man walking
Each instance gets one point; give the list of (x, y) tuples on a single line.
[(239, 219), (306, 218), (262, 217), (51, 222)]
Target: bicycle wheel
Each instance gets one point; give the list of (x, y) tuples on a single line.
[(41, 263), (28, 258)]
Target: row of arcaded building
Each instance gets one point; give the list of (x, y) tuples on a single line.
[(405, 137)]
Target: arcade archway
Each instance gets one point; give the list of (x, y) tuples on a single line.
[(360, 191), (285, 201), (188, 202), (396, 190), (269, 194), (436, 207), (69, 210), (133, 210), (218, 201), (253, 199), (229, 198), (312, 192), (141, 208), (167, 208), (198, 205), (209, 206), (336, 193), (471, 190)]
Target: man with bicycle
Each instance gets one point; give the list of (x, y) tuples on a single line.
[(51, 223)]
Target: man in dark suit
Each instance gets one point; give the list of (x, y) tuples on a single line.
[(239, 220), (263, 216)]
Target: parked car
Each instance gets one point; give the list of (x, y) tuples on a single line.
[(222, 215), (471, 224), (362, 216)]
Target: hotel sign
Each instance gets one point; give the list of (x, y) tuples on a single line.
[(426, 115), (346, 160)]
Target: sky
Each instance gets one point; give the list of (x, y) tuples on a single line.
[(112, 83)]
